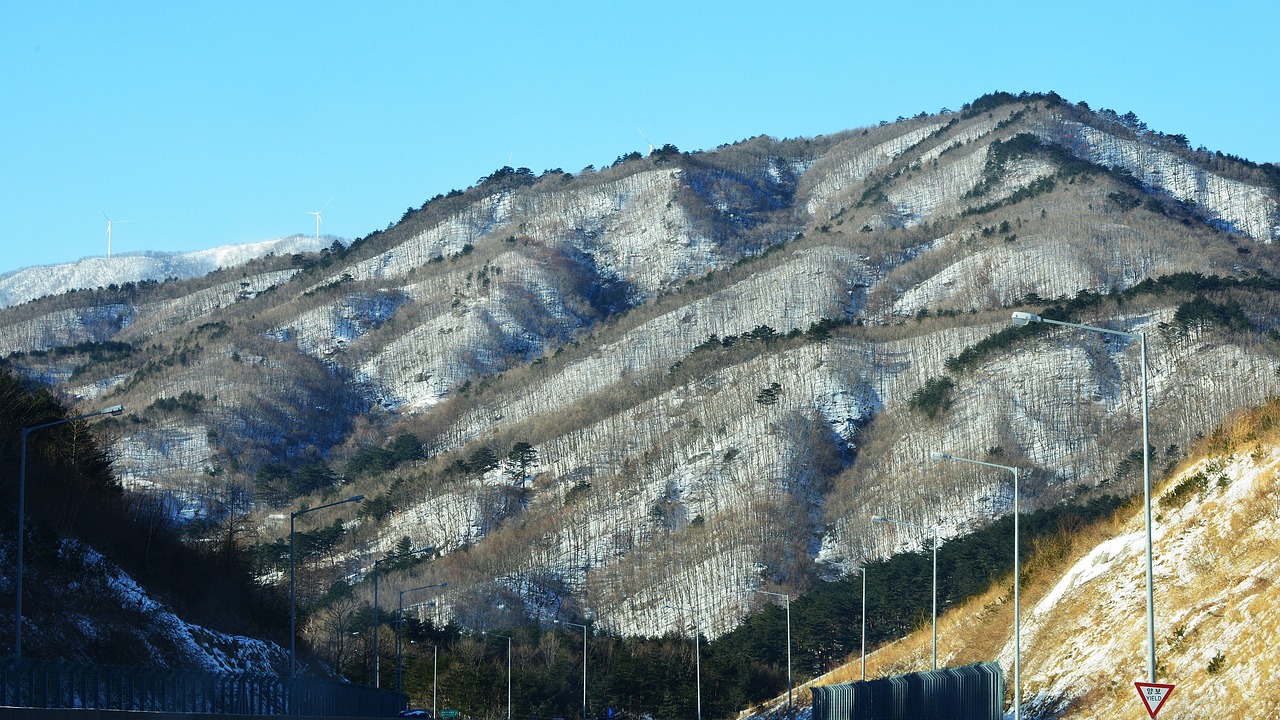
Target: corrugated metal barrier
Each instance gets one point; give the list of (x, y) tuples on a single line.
[(969, 692), (44, 684)]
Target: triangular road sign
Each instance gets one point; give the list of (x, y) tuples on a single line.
[(1153, 695)]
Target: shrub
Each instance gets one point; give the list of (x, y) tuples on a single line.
[(769, 395), (1182, 492), (188, 402), (933, 397), (578, 490)]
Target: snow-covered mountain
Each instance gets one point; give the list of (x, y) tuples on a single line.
[(24, 284), (668, 382)]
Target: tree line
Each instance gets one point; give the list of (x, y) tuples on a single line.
[(655, 676)]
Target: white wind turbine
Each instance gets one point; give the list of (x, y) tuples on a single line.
[(111, 222), (646, 139), (317, 214)]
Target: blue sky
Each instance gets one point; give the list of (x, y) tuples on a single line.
[(226, 122)]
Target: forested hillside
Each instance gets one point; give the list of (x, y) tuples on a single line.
[(107, 576), (640, 392)]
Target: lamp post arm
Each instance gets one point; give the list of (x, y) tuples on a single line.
[(1090, 327), (113, 410), (22, 514), (948, 456), (1022, 318), (903, 523), (300, 513)]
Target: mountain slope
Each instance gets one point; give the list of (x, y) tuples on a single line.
[(719, 364), (106, 578), (1084, 634)]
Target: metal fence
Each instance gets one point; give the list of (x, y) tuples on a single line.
[(969, 692), (44, 684)]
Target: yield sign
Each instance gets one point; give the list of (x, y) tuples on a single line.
[(1153, 695)]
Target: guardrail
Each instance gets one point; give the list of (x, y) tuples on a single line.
[(968, 692), (47, 684)]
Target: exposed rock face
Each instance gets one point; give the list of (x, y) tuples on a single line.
[(719, 360)]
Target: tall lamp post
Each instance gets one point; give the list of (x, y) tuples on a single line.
[(22, 513), (1022, 318), (399, 625), (697, 656), (863, 571), (787, 598), (508, 638), (934, 530), (1017, 578), (293, 634), (584, 662), (435, 674), (376, 563)]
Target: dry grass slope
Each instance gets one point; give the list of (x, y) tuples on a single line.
[(1084, 629)]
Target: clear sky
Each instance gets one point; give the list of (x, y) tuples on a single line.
[(224, 122)]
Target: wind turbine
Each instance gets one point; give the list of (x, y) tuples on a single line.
[(646, 139), (317, 214), (111, 222)]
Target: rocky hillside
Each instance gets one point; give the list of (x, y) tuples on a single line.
[(642, 391), (1084, 636)]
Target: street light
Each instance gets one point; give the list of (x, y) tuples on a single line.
[(863, 571), (934, 530), (584, 662), (697, 655), (400, 623), (1022, 318), (376, 563), (508, 637), (435, 665), (293, 634), (22, 513), (1017, 578), (788, 600)]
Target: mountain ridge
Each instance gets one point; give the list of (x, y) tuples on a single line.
[(26, 284), (719, 354)]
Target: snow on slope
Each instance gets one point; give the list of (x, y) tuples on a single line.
[(1243, 208), (1217, 612), (170, 640), (19, 286), (817, 283), (66, 327), (839, 174)]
